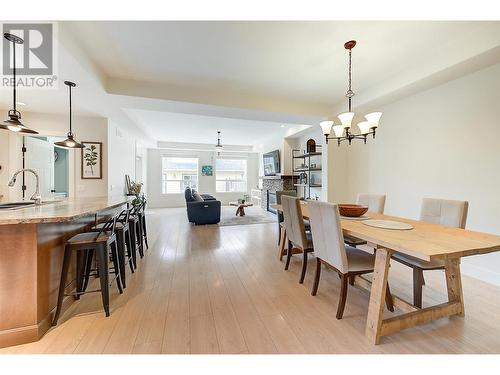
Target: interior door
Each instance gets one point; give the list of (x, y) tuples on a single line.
[(40, 157)]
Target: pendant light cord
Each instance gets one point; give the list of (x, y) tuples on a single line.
[(350, 93), (14, 73), (70, 111)]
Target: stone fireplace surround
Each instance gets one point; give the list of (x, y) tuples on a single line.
[(272, 184)]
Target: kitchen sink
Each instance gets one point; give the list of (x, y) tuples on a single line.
[(19, 205)]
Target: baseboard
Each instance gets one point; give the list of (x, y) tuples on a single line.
[(481, 273), (31, 333)]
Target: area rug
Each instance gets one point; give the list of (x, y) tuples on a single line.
[(253, 215)]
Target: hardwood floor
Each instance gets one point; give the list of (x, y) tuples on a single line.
[(211, 289)]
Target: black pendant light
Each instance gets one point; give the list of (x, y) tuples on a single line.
[(70, 141), (13, 123)]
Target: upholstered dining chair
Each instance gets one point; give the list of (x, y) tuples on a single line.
[(281, 225), (375, 203), (330, 250), (298, 239), (452, 213)]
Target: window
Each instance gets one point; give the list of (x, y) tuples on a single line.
[(231, 175), (178, 173)]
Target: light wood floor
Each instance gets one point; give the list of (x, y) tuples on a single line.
[(211, 289)]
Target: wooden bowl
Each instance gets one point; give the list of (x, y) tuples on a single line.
[(352, 210)]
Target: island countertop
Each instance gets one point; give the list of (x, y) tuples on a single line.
[(63, 210)]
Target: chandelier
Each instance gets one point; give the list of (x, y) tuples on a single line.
[(218, 146), (342, 132)]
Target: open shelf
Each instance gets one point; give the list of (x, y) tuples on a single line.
[(307, 170), (302, 156)]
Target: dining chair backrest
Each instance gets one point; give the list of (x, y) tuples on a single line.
[(124, 216), (279, 194), (374, 202), (446, 212), (327, 234), (294, 222)]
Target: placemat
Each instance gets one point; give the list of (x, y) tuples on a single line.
[(363, 217), (388, 224)]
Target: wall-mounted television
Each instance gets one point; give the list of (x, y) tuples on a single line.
[(272, 163)]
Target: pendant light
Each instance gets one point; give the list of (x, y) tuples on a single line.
[(342, 132), (70, 141), (13, 123), (218, 146)]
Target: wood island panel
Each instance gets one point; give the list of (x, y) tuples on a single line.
[(31, 255)]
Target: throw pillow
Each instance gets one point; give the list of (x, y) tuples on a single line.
[(197, 197)]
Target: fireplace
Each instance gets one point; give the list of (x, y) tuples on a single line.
[(271, 199), (272, 184)]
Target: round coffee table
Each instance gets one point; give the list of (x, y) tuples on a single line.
[(241, 207)]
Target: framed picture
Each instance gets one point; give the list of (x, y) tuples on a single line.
[(92, 160), (206, 170)]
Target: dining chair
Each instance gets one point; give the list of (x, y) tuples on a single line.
[(452, 213), (281, 225), (298, 239), (331, 250), (375, 203)]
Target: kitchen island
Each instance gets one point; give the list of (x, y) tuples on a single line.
[(31, 252)]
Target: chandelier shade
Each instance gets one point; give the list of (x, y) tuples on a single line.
[(326, 126), (346, 119), (343, 132)]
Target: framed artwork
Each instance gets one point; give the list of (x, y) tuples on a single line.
[(92, 160), (206, 170)]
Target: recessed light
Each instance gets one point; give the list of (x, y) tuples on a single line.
[(283, 126), (21, 103)]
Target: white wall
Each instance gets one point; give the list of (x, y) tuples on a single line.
[(119, 153), (121, 156), (440, 143), (206, 183), (85, 129)]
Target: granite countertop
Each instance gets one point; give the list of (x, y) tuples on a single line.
[(59, 210)]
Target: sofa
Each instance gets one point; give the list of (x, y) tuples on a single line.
[(202, 208)]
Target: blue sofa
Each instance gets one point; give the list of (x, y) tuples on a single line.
[(202, 208)]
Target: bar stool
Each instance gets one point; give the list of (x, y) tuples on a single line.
[(142, 216), (136, 228), (85, 244), (123, 241)]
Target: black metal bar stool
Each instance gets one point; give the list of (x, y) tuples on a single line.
[(142, 216), (136, 228), (123, 241), (103, 243)]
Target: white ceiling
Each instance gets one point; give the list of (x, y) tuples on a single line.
[(183, 81), (303, 61), (180, 127)]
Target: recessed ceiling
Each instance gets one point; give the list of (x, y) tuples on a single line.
[(303, 61), (180, 127)]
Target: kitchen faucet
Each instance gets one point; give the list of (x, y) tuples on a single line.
[(36, 195)]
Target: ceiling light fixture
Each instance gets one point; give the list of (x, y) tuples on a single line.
[(13, 123), (70, 141), (218, 146), (342, 132)]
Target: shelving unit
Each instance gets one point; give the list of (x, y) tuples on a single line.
[(306, 168)]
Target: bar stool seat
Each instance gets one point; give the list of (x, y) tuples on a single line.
[(89, 237)]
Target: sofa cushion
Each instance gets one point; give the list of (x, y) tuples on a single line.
[(197, 197)]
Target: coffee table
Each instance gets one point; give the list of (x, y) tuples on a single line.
[(241, 207)]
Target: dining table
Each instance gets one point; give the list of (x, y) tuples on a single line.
[(425, 241)]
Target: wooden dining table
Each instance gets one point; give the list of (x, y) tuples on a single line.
[(425, 241)]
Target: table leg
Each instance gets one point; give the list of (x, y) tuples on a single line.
[(454, 283), (242, 211), (377, 295)]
